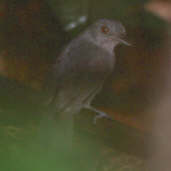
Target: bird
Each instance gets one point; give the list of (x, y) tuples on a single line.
[(83, 66), (79, 73)]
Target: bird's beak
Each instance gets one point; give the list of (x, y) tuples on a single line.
[(121, 40), (124, 42)]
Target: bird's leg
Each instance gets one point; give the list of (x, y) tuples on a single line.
[(100, 114)]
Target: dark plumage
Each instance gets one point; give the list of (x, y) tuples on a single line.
[(85, 64), (80, 72)]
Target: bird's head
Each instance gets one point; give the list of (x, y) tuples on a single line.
[(107, 31)]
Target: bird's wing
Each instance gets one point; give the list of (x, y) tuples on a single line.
[(82, 58), (81, 70)]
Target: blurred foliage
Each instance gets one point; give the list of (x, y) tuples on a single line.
[(93, 147)]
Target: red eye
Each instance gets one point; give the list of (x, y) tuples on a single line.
[(105, 29)]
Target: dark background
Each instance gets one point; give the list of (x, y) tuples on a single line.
[(32, 35)]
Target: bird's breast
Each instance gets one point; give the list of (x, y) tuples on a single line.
[(103, 63)]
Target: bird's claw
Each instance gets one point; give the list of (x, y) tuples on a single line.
[(101, 115)]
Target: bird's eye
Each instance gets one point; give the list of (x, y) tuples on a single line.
[(105, 29)]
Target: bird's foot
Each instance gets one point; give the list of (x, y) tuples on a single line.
[(99, 114)]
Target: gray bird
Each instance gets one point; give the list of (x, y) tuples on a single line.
[(79, 74), (84, 65)]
